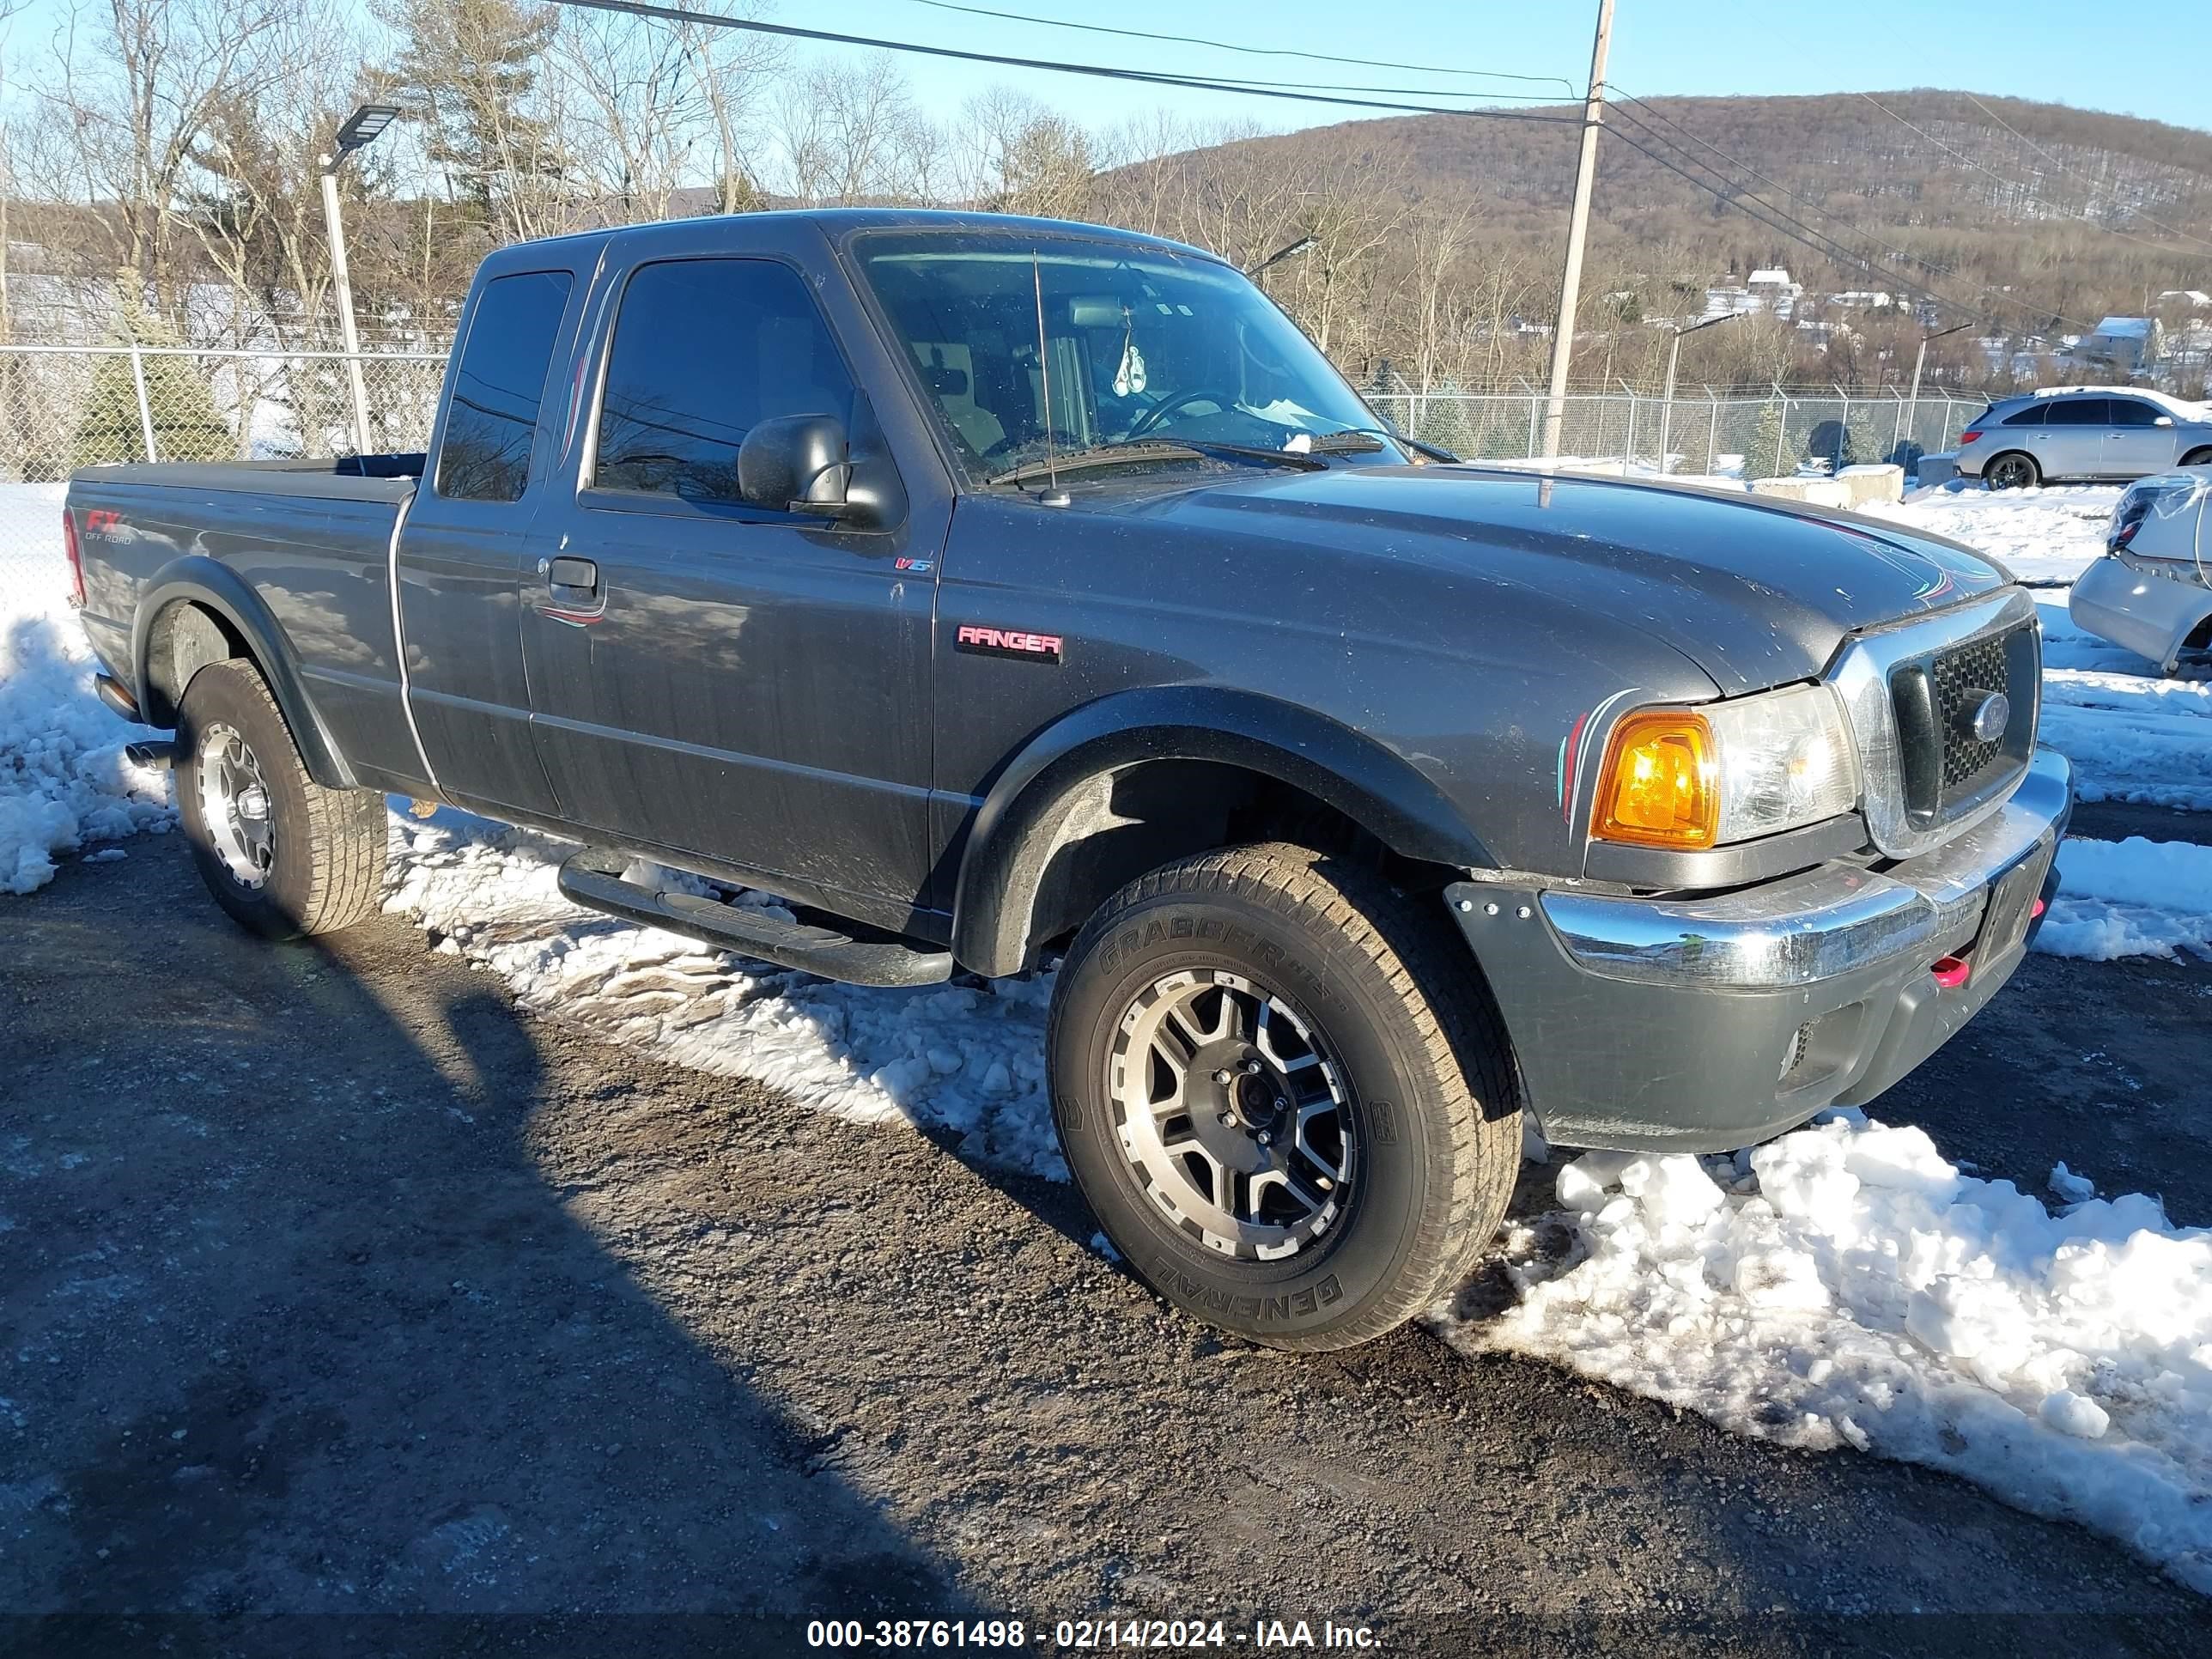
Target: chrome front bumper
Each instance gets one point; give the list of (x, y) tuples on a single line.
[(1706, 1024), (1823, 924)]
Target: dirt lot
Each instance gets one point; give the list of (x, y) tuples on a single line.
[(328, 1285)]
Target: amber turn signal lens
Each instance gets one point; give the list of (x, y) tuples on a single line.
[(1661, 785)]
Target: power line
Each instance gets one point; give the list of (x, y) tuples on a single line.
[(2171, 230), (1145, 77), (2014, 184), (1254, 51), (1795, 229), (1850, 256)]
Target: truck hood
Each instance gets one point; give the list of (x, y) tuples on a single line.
[(1754, 590)]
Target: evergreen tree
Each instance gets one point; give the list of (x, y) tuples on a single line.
[(187, 425), (468, 73)]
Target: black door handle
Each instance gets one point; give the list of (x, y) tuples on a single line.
[(574, 572)]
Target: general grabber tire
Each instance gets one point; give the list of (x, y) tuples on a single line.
[(1285, 1093), (285, 856)]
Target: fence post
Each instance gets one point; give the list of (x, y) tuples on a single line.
[(1842, 428), (1532, 423), (1713, 433), (1628, 448), (1781, 428), (145, 408)]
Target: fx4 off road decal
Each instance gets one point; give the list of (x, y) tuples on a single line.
[(1007, 642)]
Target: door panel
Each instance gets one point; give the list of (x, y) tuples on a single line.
[(463, 548), (742, 683), (755, 693), (2071, 444), (2135, 446)]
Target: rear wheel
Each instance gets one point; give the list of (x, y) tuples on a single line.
[(2012, 470), (1285, 1093), (282, 854)]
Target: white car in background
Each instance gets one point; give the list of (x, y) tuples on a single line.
[(2083, 434), (2152, 592)]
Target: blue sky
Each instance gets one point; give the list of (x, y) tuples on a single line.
[(2039, 49)]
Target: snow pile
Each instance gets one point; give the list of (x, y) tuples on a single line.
[(63, 781), (2132, 738), (2131, 898), (968, 1057), (2048, 535), (1846, 1284)]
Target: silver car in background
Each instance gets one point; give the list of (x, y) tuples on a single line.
[(2083, 434), (2152, 592)]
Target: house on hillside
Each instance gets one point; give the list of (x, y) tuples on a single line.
[(2122, 345), (1768, 289), (1775, 292)]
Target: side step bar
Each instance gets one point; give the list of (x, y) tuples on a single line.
[(594, 878)]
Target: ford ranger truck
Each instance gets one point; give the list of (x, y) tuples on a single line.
[(998, 592)]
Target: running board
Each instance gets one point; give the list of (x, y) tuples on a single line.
[(594, 878)]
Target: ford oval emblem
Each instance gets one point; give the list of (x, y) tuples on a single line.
[(1991, 715)]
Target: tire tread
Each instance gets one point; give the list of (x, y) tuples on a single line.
[(1454, 1017)]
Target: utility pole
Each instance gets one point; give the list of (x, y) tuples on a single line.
[(1570, 282)]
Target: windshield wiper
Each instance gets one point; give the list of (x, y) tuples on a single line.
[(1144, 451), (1367, 439)]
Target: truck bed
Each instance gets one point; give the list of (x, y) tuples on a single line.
[(350, 477), (307, 542)]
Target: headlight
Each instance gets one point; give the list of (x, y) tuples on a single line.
[(1727, 772)]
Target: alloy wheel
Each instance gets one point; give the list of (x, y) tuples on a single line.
[(1233, 1114), (235, 806)]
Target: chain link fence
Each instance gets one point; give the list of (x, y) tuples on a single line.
[(64, 407), (1781, 434)]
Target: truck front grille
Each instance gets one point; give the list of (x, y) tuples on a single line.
[(1947, 766)]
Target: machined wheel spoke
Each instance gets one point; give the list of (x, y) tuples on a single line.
[(1219, 1075)]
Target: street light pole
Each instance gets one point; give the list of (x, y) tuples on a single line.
[(342, 282), (1571, 280), (1674, 361), (361, 128), (1919, 360)]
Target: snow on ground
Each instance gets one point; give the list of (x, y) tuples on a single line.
[(2046, 535), (2132, 735), (964, 1057), (1846, 1284), (1843, 1285), (62, 778), (2131, 898)]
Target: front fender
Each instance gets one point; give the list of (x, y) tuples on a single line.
[(1017, 828), (196, 579)]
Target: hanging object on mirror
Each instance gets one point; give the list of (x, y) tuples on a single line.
[(1130, 376)]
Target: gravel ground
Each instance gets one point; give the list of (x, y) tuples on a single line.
[(328, 1285)]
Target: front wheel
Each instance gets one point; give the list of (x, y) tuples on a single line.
[(1285, 1093), (2012, 471), (285, 856)]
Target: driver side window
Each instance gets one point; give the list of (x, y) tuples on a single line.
[(704, 350)]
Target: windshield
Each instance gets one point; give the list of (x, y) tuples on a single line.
[(1138, 345)]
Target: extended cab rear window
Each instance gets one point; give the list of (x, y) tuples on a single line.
[(491, 413)]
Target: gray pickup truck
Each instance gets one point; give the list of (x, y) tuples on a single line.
[(994, 591)]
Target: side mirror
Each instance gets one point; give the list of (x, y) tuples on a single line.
[(796, 463), (2163, 420)]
